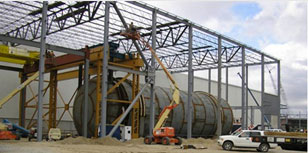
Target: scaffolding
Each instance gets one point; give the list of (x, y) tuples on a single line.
[(182, 46)]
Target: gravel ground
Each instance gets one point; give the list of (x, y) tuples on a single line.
[(136, 146)]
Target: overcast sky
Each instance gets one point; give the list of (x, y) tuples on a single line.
[(277, 28)]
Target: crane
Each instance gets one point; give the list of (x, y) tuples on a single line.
[(161, 134)]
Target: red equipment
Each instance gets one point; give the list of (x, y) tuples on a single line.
[(8, 135)]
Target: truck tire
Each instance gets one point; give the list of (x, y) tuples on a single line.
[(179, 141), (148, 140), (166, 141), (227, 145), (263, 147)]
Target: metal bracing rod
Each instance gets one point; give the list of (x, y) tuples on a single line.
[(190, 85), (41, 73), (152, 102), (127, 110), (126, 28), (105, 71), (246, 96), (209, 81), (244, 127), (86, 97), (262, 91), (196, 26), (38, 45), (279, 86), (219, 117)]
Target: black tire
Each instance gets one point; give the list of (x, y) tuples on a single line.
[(179, 141), (264, 147), (166, 141), (258, 150), (148, 140), (17, 138), (227, 145)]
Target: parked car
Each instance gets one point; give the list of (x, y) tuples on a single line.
[(242, 139)]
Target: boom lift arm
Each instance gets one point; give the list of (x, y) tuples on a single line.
[(176, 92)]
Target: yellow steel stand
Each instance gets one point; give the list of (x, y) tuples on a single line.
[(135, 111), (53, 100)]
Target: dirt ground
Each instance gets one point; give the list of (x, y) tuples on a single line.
[(109, 145)]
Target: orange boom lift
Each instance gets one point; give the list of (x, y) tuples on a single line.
[(161, 134)]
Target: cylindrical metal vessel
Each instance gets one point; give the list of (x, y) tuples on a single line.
[(204, 110)]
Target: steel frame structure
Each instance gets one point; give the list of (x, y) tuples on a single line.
[(183, 46)]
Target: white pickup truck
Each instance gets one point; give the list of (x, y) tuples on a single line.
[(242, 139)]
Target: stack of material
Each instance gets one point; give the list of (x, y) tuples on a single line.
[(288, 134)]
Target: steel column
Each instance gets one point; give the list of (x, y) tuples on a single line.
[(86, 97), (219, 124), (152, 103), (279, 94), (246, 96), (105, 71), (262, 91), (41, 73), (190, 84), (227, 84), (22, 101), (209, 86), (127, 110), (252, 115), (244, 127)]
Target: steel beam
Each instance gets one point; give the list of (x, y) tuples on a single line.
[(227, 84), (262, 91), (37, 45), (244, 127), (219, 117), (279, 94), (246, 97), (173, 70), (9, 68), (209, 81), (86, 97), (152, 98), (41, 73), (105, 71), (128, 110), (190, 84)]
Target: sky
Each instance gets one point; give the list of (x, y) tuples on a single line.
[(278, 28)]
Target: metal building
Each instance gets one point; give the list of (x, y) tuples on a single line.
[(69, 27)]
